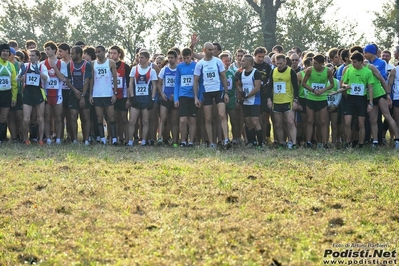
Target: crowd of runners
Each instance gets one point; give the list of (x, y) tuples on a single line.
[(347, 97)]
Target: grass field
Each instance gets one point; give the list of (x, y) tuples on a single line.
[(77, 205)]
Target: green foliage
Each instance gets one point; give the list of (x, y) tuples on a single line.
[(387, 24), (170, 32), (106, 22), (40, 20), (231, 23), (303, 24)]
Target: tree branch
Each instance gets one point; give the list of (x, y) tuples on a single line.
[(254, 6), (277, 6)]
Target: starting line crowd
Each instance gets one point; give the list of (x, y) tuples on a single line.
[(184, 98)]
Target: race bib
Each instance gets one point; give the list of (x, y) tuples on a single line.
[(187, 80), (64, 85), (357, 89), (32, 79), (210, 75), (279, 87), (229, 83), (169, 81), (331, 98), (318, 86), (102, 71), (119, 81), (5, 82), (247, 88), (53, 83), (141, 89)]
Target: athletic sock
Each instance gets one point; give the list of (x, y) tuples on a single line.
[(259, 136), (247, 133), (112, 125), (3, 128), (100, 128), (33, 131), (252, 134)]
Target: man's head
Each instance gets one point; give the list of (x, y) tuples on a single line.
[(318, 62), (308, 62), (159, 60), (345, 55), (50, 48), (217, 49), (280, 61), (30, 44), (34, 56), (290, 52), (355, 48), (5, 51), (370, 51), (295, 61), (63, 50), (226, 59), (76, 53), (13, 44), (297, 50), (278, 49), (116, 53), (144, 57), (386, 56), (259, 54), (172, 57), (81, 44), (100, 52), (239, 55), (334, 57), (187, 55), (208, 49), (247, 62), (89, 53), (357, 60), (20, 56)]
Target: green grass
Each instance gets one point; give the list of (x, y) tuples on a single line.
[(77, 205)]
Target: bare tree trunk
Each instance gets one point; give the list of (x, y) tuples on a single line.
[(267, 11)]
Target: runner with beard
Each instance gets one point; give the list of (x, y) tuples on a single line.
[(122, 103), (265, 70), (103, 92), (80, 73)]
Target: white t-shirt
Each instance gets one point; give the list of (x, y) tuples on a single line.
[(210, 71)]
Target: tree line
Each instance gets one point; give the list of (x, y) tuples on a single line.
[(235, 24)]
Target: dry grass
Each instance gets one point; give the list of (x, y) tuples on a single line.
[(73, 205)]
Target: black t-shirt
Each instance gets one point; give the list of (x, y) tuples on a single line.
[(265, 69)]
